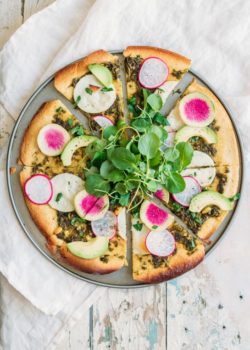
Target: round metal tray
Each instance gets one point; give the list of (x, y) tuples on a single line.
[(118, 279)]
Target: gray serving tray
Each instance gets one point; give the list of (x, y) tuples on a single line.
[(123, 277)]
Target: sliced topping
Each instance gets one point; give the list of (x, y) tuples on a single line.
[(169, 141), (166, 89), (201, 159), (65, 187), (196, 109), (103, 121), (160, 243), (90, 207), (92, 101), (89, 250), (139, 234), (174, 120), (51, 139), (163, 195), (205, 176), (122, 223), (106, 226), (154, 217), (153, 73), (73, 145), (209, 198), (38, 189), (186, 132), (192, 188), (102, 73)]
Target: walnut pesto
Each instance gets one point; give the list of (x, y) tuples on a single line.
[(178, 73), (132, 65), (73, 230), (222, 180), (200, 145), (184, 237)]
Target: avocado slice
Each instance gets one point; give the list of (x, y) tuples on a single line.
[(207, 198), (89, 250), (73, 145), (186, 132), (102, 73)]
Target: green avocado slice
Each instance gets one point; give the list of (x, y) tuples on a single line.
[(73, 145), (207, 198), (102, 73), (89, 250), (186, 132)]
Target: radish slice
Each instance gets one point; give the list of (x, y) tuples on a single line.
[(192, 188), (38, 189), (90, 207), (162, 194), (196, 109), (155, 217), (51, 139), (106, 226), (160, 243), (153, 73), (103, 121)]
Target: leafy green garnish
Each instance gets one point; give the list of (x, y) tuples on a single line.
[(78, 130), (96, 185), (77, 219), (60, 110), (89, 91), (235, 197), (70, 122), (106, 89), (124, 199), (122, 158), (58, 196), (149, 144), (78, 99), (138, 226)]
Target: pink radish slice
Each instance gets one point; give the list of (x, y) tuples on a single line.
[(51, 139), (38, 189), (153, 73), (106, 226), (192, 188), (102, 121), (160, 243)]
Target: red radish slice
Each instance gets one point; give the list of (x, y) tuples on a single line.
[(160, 243), (154, 216), (103, 121), (162, 194), (52, 139), (153, 73), (38, 189), (106, 226), (192, 188)]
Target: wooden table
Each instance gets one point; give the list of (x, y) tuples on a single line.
[(189, 313)]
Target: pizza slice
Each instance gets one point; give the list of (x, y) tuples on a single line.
[(87, 232), (93, 84), (162, 248), (207, 198), (154, 69), (201, 119)]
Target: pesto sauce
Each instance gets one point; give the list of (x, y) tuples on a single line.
[(132, 66), (199, 144)]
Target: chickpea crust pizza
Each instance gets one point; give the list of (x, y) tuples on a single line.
[(173, 177)]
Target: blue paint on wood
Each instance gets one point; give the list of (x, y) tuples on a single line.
[(152, 334)]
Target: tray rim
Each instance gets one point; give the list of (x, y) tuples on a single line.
[(75, 273)]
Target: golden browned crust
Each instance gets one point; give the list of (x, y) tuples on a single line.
[(63, 79), (29, 152), (44, 216), (227, 147), (177, 264), (96, 266)]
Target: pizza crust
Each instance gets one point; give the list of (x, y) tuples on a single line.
[(178, 264)]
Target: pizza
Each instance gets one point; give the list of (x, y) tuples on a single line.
[(175, 176)]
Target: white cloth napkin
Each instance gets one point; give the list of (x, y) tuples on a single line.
[(214, 34)]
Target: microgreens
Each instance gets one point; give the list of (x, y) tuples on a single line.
[(128, 162)]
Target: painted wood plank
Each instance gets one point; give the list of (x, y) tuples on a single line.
[(11, 19), (131, 319), (32, 6)]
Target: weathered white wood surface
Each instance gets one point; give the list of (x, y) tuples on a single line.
[(206, 309)]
